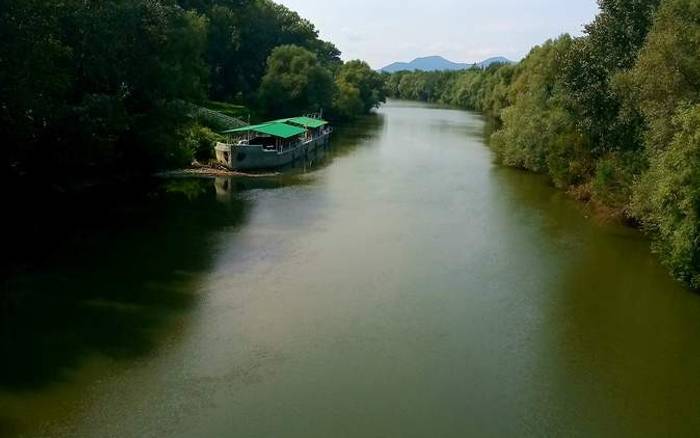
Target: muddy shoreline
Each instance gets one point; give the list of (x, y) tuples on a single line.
[(212, 172)]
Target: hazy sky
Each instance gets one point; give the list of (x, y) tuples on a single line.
[(384, 31)]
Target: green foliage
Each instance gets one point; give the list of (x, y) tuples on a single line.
[(75, 87), (242, 36), (472, 89), (295, 83), (347, 102), (611, 46), (614, 179), (534, 126), (667, 84), (599, 97), (201, 140), (34, 72), (668, 199), (417, 85), (359, 89), (668, 72), (159, 139)]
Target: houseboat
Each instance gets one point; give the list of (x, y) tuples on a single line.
[(272, 144)]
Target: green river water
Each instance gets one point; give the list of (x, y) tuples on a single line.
[(402, 286)]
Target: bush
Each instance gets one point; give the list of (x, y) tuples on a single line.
[(668, 199), (202, 140)]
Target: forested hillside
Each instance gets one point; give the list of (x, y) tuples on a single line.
[(97, 88), (613, 117)]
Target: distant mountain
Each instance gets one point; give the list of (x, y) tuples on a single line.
[(438, 63), (431, 63)]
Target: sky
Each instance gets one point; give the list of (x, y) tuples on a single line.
[(385, 31)]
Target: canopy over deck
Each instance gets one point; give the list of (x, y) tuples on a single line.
[(275, 129), (306, 122)]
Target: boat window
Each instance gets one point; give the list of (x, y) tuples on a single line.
[(263, 141)]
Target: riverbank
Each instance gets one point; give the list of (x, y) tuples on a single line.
[(212, 171)]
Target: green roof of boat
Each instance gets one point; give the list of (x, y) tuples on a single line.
[(306, 122), (275, 129)]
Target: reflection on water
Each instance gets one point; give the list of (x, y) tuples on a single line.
[(399, 284), (622, 344), (111, 293)]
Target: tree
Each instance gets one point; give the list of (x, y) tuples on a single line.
[(368, 83), (598, 97), (538, 133), (668, 72), (34, 73), (667, 80), (243, 34), (670, 206), (224, 41), (347, 102), (123, 108), (295, 82), (611, 46), (85, 98)]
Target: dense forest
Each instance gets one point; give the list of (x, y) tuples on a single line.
[(112, 87), (612, 116)]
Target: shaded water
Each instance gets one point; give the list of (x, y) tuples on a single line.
[(405, 286)]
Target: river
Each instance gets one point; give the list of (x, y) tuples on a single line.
[(402, 286)]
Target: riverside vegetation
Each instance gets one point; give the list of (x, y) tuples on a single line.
[(612, 116), (103, 88)]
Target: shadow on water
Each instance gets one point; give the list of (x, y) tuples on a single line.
[(629, 340), (126, 268), (109, 291), (349, 136), (624, 333)]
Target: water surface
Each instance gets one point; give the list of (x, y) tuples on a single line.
[(402, 286)]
